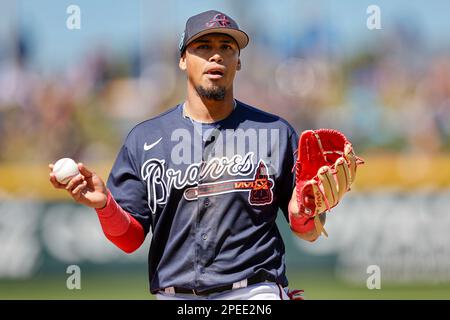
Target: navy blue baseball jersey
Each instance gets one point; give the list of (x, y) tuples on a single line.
[(209, 194)]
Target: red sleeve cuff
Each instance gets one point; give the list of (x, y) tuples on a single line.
[(106, 210), (301, 224), (120, 227)]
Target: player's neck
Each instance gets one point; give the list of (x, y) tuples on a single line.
[(208, 110)]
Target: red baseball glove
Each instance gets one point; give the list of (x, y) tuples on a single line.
[(325, 169)]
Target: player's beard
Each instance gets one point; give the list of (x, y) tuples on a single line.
[(214, 93)]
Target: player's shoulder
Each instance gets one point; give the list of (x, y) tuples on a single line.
[(155, 124), (270, 120), (159, 119)]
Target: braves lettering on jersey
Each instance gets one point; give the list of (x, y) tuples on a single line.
[(209, 194)]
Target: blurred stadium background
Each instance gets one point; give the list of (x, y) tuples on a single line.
[(77, 93)]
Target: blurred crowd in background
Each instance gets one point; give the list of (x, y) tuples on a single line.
[(390, 94), (77, 93)]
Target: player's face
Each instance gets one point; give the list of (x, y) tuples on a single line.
[(211, 62)]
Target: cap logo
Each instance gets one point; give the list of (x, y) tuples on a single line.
[(219, 20)]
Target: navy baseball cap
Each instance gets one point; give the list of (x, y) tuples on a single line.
[(211, 22)]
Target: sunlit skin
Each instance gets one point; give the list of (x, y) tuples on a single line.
[(216, 53)]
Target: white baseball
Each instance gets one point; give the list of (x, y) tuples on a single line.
[(65, 169)]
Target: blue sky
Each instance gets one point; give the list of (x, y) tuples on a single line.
[(125, 24)]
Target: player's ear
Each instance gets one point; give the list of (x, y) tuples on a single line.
[(239, 66), (182, 62)]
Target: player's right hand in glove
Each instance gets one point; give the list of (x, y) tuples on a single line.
[(325, 170), (85, 188)]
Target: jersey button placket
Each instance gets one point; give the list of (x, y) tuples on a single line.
[(203, 204), (201, 236), (197, 263)]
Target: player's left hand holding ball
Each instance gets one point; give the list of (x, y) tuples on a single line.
[(84, 186)]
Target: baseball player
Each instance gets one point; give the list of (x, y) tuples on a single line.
[(207, 179)]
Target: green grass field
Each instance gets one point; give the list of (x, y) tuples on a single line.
[(134, 286)]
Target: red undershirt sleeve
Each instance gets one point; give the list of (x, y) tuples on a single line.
[(301, 224), (120, 227)]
